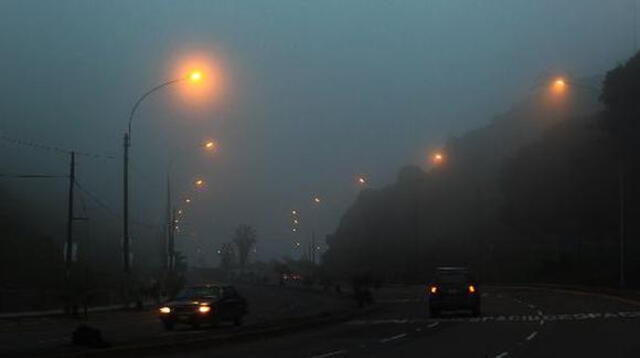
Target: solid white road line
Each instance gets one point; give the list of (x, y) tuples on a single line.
[(330, 354), (532, 335), (386, 340), (431, 325), (502, 355)]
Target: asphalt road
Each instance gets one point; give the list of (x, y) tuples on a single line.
[(267, 305), (516, 322)]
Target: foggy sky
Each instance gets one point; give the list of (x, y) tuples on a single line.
[(318, 92)]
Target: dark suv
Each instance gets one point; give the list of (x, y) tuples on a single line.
[(205, 304), (452, 289)]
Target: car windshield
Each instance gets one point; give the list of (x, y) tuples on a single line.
[(199, 292)]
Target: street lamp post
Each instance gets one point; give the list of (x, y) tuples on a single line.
[(126, 240)]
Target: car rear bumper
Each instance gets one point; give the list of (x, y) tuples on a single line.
[(454, 302)]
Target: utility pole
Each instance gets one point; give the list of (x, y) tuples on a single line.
[(69, 247), (169, 228), (313, 246), (172, 241), (125, 221)]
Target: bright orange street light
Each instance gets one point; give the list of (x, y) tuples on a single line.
[(199, 182), (559, 85), (437, 158), (210, 145), (195, 76)]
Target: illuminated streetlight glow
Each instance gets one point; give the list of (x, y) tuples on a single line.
[(295, 221), (195, 76), (437, 158), (294, 229), (559, 86), (294, 212), (187, 200), (210, 145), (316, 200), (199, 182), (362, 180)]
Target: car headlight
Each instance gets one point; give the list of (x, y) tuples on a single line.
[(204, 309), (165, 309)]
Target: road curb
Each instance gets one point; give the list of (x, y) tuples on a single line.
[(180, 345)]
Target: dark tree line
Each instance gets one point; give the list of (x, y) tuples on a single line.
[(534, 196)]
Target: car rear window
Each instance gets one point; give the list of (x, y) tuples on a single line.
[(453, 277)]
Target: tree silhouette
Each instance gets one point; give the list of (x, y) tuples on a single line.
[(244, 238), (227, 256)]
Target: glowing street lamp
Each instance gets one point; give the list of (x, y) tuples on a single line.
[(294, 212), (437, 158), (316, 200), (199, 183), (362, 180), (193, 76), (187, 200), (559, 85), (209, 145)]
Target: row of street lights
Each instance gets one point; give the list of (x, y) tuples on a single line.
[(192, 77)]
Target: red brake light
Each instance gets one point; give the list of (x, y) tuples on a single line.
[(472, 289), (433, 289)]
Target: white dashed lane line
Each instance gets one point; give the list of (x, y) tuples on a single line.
[(393, 338), (532, 335), (431, 325), (502, 355), (330, 354)]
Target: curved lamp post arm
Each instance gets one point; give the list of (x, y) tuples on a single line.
[(145, 95)]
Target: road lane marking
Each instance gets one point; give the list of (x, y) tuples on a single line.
[(330, 354), (431, 325), (532, 335), (393, 338), (539, 317), (502, 355)]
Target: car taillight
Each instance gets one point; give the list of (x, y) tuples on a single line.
[(433, 290), (472, 289)]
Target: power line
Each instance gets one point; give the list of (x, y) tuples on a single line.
[(109, 209), (32, 176), (50, 148)]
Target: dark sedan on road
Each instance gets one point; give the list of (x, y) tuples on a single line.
[(452, 289), (204, 304)]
